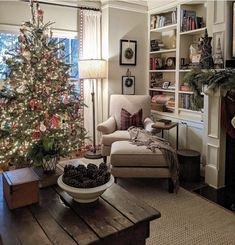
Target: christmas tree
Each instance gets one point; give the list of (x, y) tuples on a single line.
[(40, 112)]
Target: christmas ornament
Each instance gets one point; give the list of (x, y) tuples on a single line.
[(42, 127), (21, 89), (55, 121), (36, 135), (66, 99), (32, 104), (9, 61), (75, 115), (26, 54), (74, 132), (76, 106), (34, 60), (46, 55), (40, 12), (39, 106)]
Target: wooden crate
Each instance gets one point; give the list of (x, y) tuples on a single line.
[(20, 187)]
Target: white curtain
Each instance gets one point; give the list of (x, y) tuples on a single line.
[(90, 48)]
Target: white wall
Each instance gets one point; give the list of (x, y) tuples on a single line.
[(15, 12), (131, 25)]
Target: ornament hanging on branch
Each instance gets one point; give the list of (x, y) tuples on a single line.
[(42, 127), (32, 104), (55, 121)]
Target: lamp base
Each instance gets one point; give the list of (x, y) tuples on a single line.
[(92, 155)]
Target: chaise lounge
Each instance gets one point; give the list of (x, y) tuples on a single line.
[(126, 159)]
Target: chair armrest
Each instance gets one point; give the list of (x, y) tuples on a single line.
[(148, 122), (108, 126)]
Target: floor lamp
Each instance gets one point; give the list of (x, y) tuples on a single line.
[(92, 69)]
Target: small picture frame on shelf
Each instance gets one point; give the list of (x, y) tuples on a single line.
[(128, 84), (128, 52), (165, 85)]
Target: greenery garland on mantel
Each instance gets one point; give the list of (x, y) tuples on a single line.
[(214, 79)]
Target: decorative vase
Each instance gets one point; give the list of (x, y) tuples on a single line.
[(49, 165)]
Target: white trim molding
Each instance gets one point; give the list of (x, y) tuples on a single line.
[(124, 6)]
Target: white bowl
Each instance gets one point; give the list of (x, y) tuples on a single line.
[(85, 195)]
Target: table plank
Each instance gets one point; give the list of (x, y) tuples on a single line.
[(101, 217), (55, 233), (126, 203), (67, 219), (27, 228)]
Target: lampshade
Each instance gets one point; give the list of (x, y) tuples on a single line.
[(92, 69)]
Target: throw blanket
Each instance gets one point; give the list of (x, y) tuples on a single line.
[(140, 137)]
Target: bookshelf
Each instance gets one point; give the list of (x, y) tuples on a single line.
[(170, 57)]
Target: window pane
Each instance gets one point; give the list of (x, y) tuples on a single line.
[(8, 43)]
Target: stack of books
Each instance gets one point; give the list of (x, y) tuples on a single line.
[(190, 21)]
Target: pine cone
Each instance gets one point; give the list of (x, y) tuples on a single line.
[(103, 166)]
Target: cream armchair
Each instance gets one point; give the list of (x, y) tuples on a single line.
[(110, 129)]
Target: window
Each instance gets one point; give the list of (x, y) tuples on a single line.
[(9, 41)]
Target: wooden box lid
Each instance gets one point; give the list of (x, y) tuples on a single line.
[(20, 176)]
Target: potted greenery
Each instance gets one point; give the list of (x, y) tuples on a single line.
[(45, 153)]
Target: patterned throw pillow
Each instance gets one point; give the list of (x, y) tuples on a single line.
[(128, 120)]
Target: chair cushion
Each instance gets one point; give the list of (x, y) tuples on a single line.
[(131, 103), (108, 139), (126, 154), (128, 120)]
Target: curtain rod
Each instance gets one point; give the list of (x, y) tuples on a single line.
[(62, 5)]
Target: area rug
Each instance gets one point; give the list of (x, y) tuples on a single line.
[(186, 218)]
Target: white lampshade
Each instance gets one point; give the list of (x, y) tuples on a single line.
[(92, 69)]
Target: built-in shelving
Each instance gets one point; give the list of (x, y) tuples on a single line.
[(163, 51), (164, 28), (162, 90), (176, 42), (162, 70), (196, 31)]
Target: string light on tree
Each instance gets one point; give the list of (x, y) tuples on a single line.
[(37, 102)]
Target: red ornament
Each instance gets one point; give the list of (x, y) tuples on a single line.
[(36, 135), (66, 99), (32, 104), (76, 106), (46, 55), (55, 121), (75, 115), (40, 12), (39, 106)]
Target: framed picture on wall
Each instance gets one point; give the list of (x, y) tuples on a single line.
[(128, 84), (128, 52)]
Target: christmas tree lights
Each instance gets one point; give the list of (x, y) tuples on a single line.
[(39, 107)]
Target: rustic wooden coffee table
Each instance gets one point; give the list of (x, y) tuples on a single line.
[(117, 218)]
